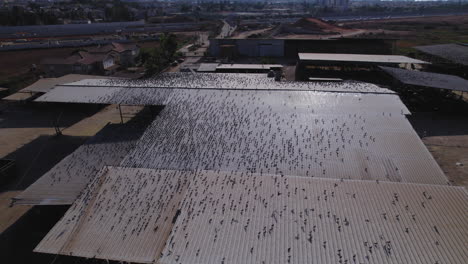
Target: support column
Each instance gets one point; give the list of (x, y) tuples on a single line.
[(121, 118)]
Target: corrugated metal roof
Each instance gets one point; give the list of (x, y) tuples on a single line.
[(331, 135), (106, 95), (230, 173), (232, 217), (428, 79), (325, 79), (46, 84), (237, 66), (64, 182), (230, 81), (142, 92), (241, 218), (394, 59), (124, 214), (19, 96), (452, 52), (207, 67)]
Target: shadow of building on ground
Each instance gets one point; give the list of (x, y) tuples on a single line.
[(37, 157), (429, 124)]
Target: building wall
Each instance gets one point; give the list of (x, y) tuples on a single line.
[(249, 47), (291, 47), (128, 58), (108, 62), (344, 45)]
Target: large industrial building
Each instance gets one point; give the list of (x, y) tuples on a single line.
[(240, 168), (289, 48)]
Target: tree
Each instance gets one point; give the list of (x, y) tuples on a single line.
[(118, 12), (155, 63), (159, 58), (168, 45)]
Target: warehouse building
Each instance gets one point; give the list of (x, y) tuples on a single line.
[(349, 66), (289, 48), (240, 168)]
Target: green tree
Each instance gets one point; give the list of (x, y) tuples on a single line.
[(168, 45), (155, 63), (159, 58), (118, 12)]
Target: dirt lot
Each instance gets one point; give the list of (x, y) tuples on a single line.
[(9, 214), (19, 62), (417, 31), (446, 137), (27, 135)]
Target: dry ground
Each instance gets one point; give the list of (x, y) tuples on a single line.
[(246, 34), (20, 61), (10, 215), (27, 135), (451, 153), (446, 137), (416, 31)]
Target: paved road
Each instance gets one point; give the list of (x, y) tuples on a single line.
[(202, 40), (246, 34)]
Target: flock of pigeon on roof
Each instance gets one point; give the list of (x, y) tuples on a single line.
[(231, 81), (259, 198), (300, 133), (141, 92)]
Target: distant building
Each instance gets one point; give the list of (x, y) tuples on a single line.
[(100, 60), (289, 48), (124, 53), (334, 3), (81, 62), (361, 67), (232, 48), (82, 21)]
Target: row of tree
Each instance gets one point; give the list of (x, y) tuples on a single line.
[(19, 16), (33, 14)]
